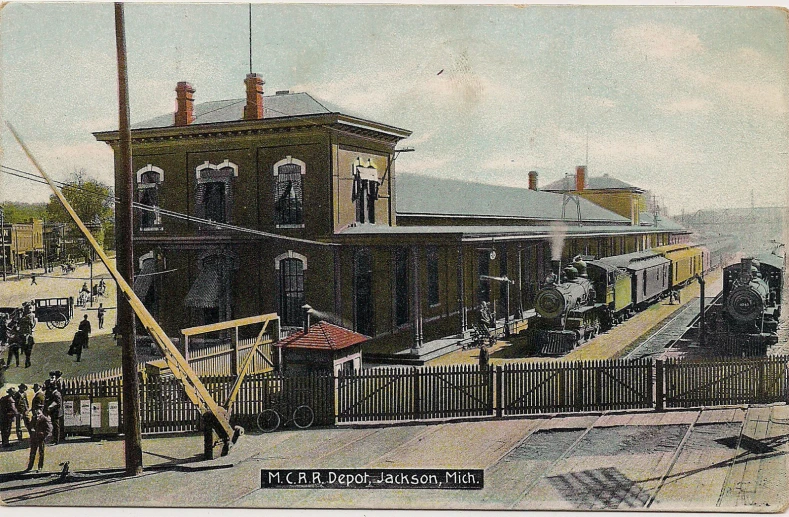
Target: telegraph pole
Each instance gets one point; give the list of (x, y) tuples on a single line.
[(2, 239), (125, 260)]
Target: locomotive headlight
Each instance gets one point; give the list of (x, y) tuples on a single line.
[(549, 303), (745, 303)]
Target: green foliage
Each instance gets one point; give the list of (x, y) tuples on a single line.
[(92, 200), (16, 212)]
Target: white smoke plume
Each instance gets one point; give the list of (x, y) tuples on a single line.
[(558, 231)]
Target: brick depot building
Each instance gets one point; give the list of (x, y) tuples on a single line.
[(397, 258)]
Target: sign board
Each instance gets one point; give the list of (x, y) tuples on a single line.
[(104, 415), (76, 414)]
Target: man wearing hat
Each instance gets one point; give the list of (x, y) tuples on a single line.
[(38, 397), (53, 405), (8, 414), (39, 434), (22, 407)]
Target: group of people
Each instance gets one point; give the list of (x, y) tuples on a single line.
[(41, 414), (17, 333)]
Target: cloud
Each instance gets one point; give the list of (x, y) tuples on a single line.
[(686, 105), (663, 42)]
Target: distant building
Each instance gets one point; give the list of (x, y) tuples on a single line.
[(23, 245), (608, 192), (399, 258)]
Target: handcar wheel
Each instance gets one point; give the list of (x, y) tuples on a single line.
[(59, 320), (268, 420), (303, 417)]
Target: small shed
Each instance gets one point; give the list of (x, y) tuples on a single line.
[(324, 347)]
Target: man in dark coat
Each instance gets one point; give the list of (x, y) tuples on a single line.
[(100, 313), (54, 410), (8, 414), (84, 325), (14, 346), (41, 432), (22, 407), (3, 328), (484, 355), (38, 397), (79, 342), (25, 333)]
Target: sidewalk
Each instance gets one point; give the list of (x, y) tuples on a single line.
[(714, 459)]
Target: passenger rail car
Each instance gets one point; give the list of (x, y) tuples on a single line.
[(687, 261), (589, 297)]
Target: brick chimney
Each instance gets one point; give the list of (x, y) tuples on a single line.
[(532, 180), (185, 111), (253, 110), (580, 177)]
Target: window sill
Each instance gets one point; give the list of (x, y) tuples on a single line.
[(290, 225)]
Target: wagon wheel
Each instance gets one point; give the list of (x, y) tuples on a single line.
[(59, 320)]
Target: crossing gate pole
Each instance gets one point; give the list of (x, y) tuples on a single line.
[(659, 389)]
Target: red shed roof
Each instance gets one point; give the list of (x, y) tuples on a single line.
[(323, 336)]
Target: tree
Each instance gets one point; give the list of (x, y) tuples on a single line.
[(19, 212), (92, 200)]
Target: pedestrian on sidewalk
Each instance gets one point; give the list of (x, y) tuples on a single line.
[(85, 325), (79, 341), (3, 328), (25, 333), (54, 409), (484, 356), (33, 279), (100, 314), (14, 347), (38, 397), (41, 433), (8, 414), (22, 408)]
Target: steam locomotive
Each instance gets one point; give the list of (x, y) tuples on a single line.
[(744, 319), (588, 297)]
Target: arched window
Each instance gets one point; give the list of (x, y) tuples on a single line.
[(214, 193), (289, 192), (148, 180)]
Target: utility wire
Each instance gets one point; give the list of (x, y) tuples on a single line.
[(178, 215)]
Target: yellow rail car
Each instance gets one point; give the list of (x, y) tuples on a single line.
[(687, 261)]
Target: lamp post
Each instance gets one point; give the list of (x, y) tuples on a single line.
[(2, 238), (92, 227)]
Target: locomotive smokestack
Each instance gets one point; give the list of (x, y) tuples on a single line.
[(532, 180), (745, 269), (306, 310), (580, 177), (556, 269)]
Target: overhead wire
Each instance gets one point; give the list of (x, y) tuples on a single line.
[(170, 213)]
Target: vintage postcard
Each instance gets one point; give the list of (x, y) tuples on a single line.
[(338, 256)]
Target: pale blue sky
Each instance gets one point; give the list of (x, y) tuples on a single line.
[(688, 102)]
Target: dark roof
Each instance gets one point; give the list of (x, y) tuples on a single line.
[(604, 182), (431, 196), (323, 336), (636, 261), (274, 106)]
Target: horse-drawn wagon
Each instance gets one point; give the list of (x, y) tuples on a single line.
[(55, 312)]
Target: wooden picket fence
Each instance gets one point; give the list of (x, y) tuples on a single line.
[(726, 381), (415, 393), (424, 393), (556, 387)]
